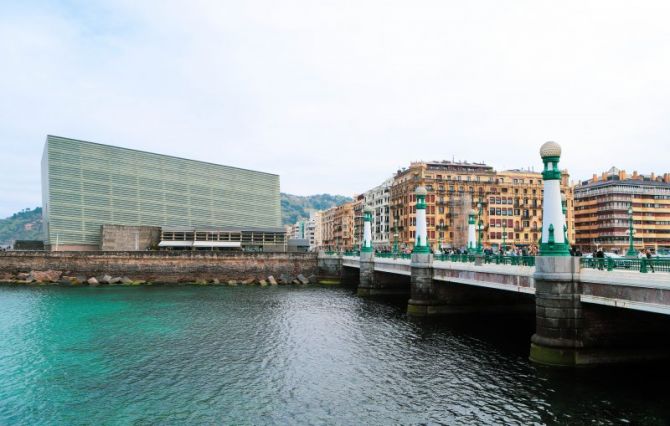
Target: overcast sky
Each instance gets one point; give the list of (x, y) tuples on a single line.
[(335, 96)]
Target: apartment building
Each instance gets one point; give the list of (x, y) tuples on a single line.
[(510, 203), (602, 211)]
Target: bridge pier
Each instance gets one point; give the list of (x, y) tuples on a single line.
[(558, 311), (423, 300), (329, 267), (572, 333), (366, 281), (375, 283)]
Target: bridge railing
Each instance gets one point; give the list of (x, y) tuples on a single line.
[(352, 253), (494, 260), (510, 260), (393, 255), (464, 258), (642, 265)]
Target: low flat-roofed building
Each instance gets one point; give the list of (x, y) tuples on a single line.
[(247, 239), (86, 185)]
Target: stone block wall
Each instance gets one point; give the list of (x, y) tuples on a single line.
[(167, 267)]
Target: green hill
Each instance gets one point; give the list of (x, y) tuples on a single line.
[(24, 225), (296, 207)]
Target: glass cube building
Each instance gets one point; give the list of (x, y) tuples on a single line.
[(86, 185)]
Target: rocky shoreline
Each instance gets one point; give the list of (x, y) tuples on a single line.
[(65, 278)]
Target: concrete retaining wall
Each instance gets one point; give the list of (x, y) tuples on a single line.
[(121, 237)]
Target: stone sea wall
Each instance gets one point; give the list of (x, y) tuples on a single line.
[(158, 267)]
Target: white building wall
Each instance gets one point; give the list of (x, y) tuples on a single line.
[(379, 198)]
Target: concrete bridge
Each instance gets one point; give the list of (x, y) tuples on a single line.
[(584, 315)]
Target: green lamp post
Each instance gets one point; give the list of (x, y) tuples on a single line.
[(472, 240), (553, 241), (504, 245), (367, 230), (421, 241), (631, 250), (395, 234), (479, 249)]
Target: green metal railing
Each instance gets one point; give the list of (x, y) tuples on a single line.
[(353, 253), (393, 255), (643, 265), (497, 260), (511, 260), (464, 258)]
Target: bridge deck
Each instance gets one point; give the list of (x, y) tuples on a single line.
[(628, 289)]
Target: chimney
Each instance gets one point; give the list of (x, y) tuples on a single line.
[(666, 177), (635, 175), (604, 176), (622, 175), (653, 177), (595, 178)]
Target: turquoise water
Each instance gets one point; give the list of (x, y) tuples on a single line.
[(221, 355)]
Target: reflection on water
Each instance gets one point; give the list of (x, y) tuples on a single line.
[(287, 355)]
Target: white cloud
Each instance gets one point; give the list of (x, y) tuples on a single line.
[(336, 95)]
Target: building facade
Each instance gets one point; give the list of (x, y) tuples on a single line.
[(309, 230), (337, 224), (601, 211), (379, 199), (510, 203), (317, 217), (87, 185)]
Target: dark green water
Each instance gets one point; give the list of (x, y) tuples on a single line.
[(220, 355)]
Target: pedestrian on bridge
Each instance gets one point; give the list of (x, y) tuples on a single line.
[(649, 260)]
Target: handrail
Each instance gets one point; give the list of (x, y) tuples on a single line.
[(643, 265), (388, 255)]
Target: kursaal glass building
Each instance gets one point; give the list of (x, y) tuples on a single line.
[(87, 185)]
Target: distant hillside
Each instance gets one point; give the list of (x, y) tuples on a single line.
[(296, 207), (24, 225)]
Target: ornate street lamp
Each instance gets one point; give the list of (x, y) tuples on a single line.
[(421, 233), (395, 237), (504, 246), (631, 250), (396, 218), (480, 224), (564, 204)]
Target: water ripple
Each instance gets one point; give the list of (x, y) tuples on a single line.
[(187, 355)]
